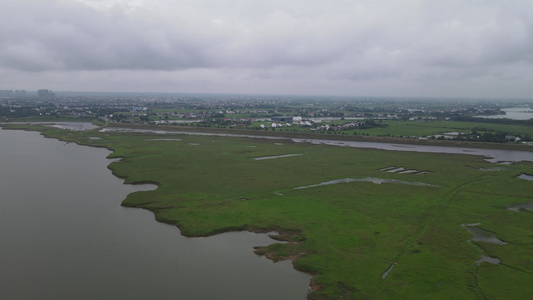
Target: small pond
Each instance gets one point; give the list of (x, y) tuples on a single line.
[(482, 235), (526, 177)]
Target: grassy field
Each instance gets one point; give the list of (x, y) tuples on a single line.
[(346, 234), (428, 128), (400, 128)]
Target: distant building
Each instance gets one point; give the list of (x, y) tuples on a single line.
[(281, 119), (512, 138), (10, 93), (44, 93), (6, 93)]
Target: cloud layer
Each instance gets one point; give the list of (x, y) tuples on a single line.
[(381, 47)]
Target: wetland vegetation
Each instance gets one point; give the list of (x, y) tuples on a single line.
[(347, 234), (369, 224)]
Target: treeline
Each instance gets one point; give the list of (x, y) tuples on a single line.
[(494, 121)]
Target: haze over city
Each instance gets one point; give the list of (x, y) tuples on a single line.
[(364, 48)]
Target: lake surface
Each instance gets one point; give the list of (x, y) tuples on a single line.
[(513, 113), (64, 235)]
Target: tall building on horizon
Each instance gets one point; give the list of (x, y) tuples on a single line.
[(6, 93), (44, 93)]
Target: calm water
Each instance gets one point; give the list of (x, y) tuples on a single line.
[(514, 113), (63, 125), (64, 235)]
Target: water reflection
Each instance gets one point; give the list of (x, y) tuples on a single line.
[(76, 126), (482, 235), (487, 259), (519, 206), (513, 113), (526, 177)]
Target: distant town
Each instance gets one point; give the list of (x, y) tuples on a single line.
[(367, 116)]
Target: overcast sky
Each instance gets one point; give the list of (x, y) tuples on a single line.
[(435, 48)]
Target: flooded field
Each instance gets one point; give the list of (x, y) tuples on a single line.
[(526, 177), (482, 235)]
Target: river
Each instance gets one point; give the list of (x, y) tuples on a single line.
[(491, 155), (64, 235)]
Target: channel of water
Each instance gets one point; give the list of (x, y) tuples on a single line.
[(492, 155)]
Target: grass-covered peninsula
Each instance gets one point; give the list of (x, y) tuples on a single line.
[(345, 215)]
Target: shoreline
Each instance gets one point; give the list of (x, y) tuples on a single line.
[(297, 135), (340, 137), (283, 234)]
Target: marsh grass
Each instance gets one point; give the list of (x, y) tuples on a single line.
[(346, 234)]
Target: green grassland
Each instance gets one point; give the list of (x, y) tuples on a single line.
[(416, 128), (421, 128), (347, 234), (427, 128)]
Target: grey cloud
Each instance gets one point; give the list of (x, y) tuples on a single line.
[(78, 38), (328, 43)]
